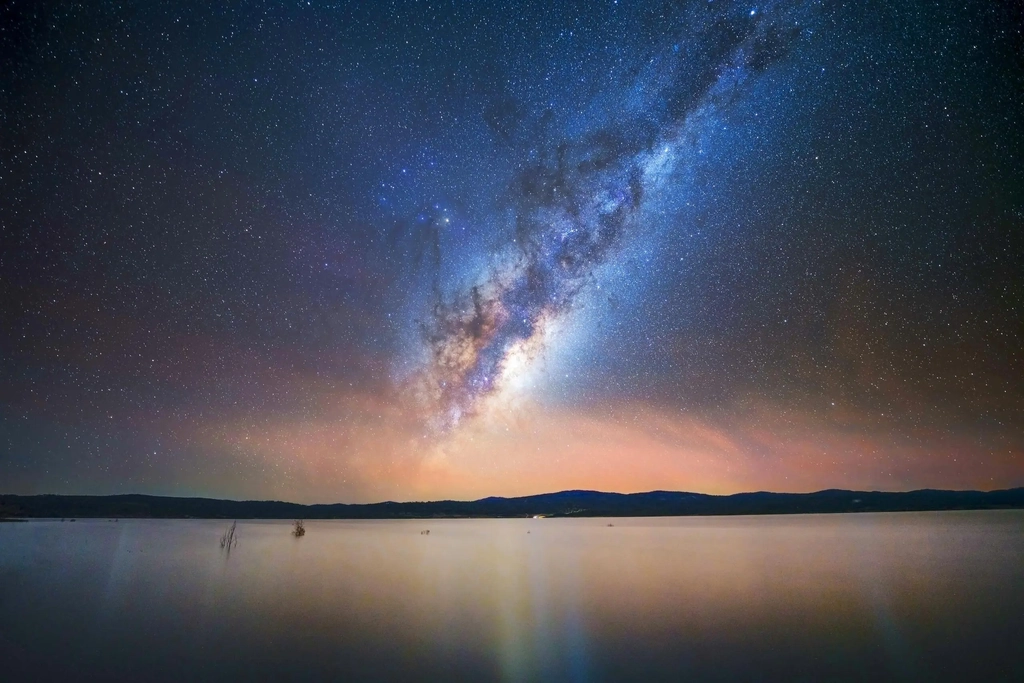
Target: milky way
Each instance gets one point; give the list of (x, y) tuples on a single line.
[(578, 200)]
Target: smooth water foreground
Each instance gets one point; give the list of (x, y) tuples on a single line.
[(906, 596)]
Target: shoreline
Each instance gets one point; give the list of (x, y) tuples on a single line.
[(564, 504), (84, 518)]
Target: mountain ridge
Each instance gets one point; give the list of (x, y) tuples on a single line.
[(569, 503)]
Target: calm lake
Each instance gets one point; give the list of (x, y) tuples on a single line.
[(868, 597)]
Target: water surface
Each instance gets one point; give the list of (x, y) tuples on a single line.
[(867, 597)]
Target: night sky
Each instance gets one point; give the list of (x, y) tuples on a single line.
[(355, 251)]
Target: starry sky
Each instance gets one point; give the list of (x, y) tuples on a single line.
[(356, 251)]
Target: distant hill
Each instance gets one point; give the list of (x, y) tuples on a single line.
[(562, 504)]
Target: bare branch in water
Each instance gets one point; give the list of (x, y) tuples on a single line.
[(230, 539)]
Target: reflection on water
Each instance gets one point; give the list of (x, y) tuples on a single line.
[(912, 596)]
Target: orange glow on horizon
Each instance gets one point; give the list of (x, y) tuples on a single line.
[(367, 449)]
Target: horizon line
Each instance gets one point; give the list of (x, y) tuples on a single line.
[(532, 495)]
